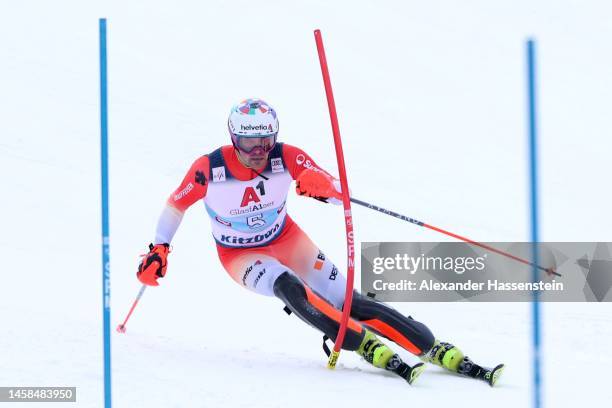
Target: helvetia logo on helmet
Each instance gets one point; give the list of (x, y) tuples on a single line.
[(255, 127)]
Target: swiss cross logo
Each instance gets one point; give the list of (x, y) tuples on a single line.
[(218, 174)]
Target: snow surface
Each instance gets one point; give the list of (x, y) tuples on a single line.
[(431, 98)]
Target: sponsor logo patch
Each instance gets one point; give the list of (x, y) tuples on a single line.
[(259, 275), (248, 271), (334, 273), (299, 159), (246, 274), (277, 165), (251, 208), (183, 192), (200, 178), (231, 239), (245, 128), (319, 262), (218, 174)]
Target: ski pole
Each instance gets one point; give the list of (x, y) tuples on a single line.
[(550, 271), (121, 327)]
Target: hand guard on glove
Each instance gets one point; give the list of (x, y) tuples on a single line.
[(319, 185), (153, 264)]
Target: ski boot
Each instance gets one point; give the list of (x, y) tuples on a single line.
[(450, 357), (379, 355)]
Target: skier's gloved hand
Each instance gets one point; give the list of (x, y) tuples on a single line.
[(153, 264), (315, 183), (334, 200)]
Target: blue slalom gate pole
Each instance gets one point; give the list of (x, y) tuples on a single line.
[(105, 223), (534, 221)]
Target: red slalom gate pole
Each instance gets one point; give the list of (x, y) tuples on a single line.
[(121, 327), (346, 202)]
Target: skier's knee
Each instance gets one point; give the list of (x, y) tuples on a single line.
[(289, 288), (365, 308)]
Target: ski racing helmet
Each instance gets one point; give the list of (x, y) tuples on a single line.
[(253, 124)]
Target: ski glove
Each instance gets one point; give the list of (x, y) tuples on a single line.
[(153, 264), (319, 185)]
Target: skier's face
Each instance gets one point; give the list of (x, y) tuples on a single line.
[(256, 159), (250, 144), (253, 151)]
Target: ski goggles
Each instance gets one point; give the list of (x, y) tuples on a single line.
[(249, 144)]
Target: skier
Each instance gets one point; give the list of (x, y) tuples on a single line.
[(244, 187)]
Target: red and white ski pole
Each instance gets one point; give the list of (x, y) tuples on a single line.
[(549, 271), (121, 327), (346, 202)]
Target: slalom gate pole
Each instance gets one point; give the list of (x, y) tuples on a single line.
[(534, 221), (121, 327), (105, 216), (346, 202), (549, 271)]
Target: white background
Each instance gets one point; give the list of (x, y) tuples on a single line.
[(432, 106)]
